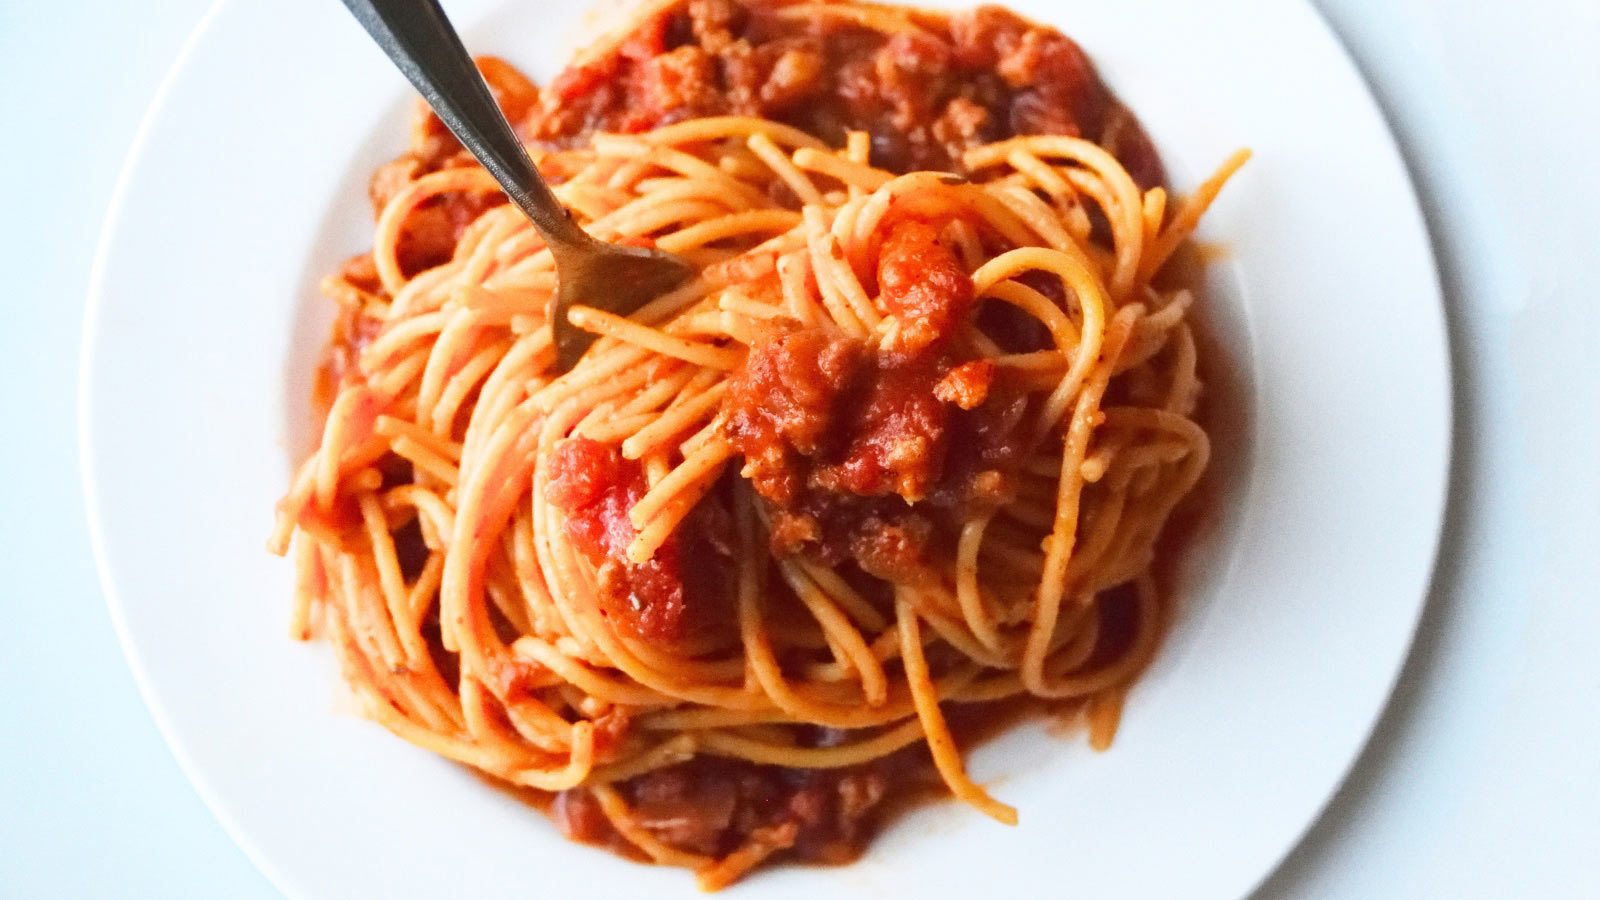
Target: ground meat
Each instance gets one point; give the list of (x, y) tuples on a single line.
[(713, 806), (679, 84), (871, 457), (712, 23), (964, 123), (429, 235), (843, 444), (864, 455), (782, 403), (893, 434), (817, 412), (922, 284), (686, 811), (579, 817), (966, 385), (924, 96), (794, 76), (893, 545), (911, 73), (814, 412), (866, 458)]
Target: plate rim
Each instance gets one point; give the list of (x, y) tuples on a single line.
[(193, 773)]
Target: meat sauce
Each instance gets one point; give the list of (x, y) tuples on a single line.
[(596, 487), (864, 455), (924, 95), (712, 806)]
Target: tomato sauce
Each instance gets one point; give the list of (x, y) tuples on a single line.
[(924, 95), (681, 593), (867, 457)]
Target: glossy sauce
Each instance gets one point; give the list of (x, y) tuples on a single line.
[(924, 95), (865, 457)]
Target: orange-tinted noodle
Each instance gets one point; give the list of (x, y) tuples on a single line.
[(902, 451)]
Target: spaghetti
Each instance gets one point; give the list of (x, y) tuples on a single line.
[(902, 451)]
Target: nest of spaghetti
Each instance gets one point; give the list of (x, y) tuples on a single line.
[(903, 450)]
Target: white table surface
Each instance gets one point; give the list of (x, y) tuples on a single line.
[(1483, 779)]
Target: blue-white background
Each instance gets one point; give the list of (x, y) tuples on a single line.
[(1483, 779)]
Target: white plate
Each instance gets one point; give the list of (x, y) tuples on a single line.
[(247, 184)]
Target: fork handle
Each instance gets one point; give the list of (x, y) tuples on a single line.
[(419, 40)]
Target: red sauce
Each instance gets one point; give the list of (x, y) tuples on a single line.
[(711, 806), (966, 385), (812, 411), (352, 332), (892, 439), (886, 465), (959, 81), (922, 284), (924, 97), (869, 455), (679, 594), (864, 456), (596, 486), (783, 403), (430, 233)]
